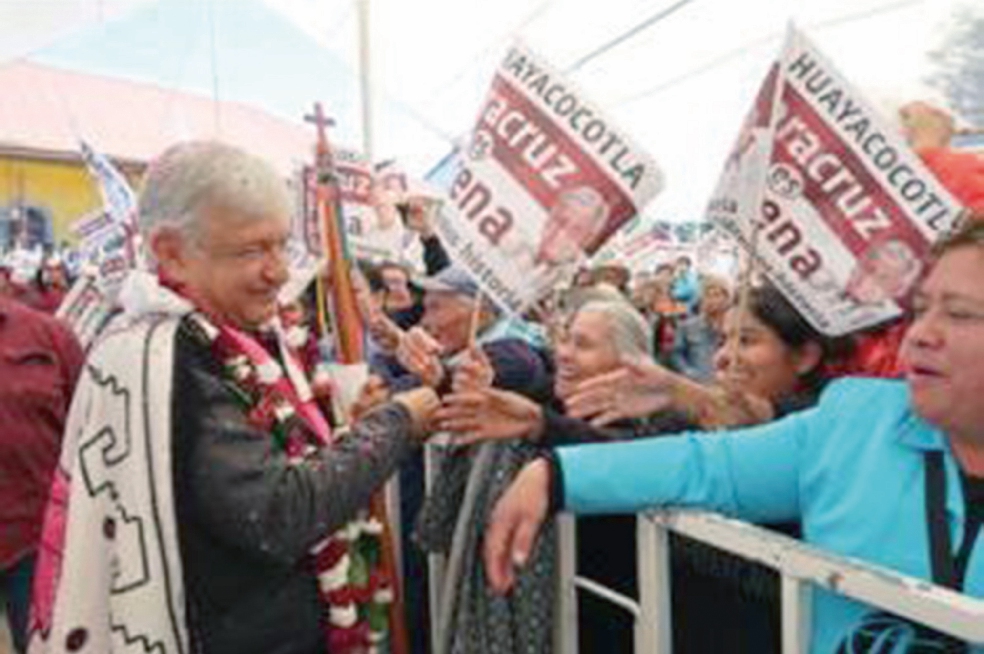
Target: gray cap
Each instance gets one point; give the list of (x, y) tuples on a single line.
[(452, 279)]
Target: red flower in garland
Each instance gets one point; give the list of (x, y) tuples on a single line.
[(352, 639), (330, 554), (347, 594), (263, 414)]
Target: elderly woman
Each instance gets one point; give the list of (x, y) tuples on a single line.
[(886, 471), (595, 340)]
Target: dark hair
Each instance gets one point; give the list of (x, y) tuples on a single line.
[(373, 275), (392, 265), (968, 230), (773, 310)]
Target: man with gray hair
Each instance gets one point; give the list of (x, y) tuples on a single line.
[(200, 490)]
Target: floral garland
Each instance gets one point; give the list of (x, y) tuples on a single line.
[(354, 592)]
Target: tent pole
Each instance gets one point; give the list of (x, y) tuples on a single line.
[(398, 634), (365, 79)]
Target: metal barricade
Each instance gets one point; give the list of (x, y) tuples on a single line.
[(801, 567)]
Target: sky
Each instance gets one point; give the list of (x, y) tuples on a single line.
[(680, 87)]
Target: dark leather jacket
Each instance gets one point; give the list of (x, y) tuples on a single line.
[(246, 517)]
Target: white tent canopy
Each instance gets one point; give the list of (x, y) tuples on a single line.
[(679, 84)]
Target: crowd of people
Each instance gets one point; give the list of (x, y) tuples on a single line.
[(203, 493), (38, 277)]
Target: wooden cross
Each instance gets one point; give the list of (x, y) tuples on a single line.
[(323, 158), (321, 121)]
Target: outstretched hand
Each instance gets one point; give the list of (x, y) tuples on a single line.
[(383, 330), (515, 523), (422, 403), (419, 353), (474, 373), (373, 393), (419, 214), (926, 126), (729, 405), (636, 390), (489, 414)]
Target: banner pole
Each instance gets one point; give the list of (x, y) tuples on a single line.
[(475, 317)]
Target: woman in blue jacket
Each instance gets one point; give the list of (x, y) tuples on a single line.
[(868, 472)]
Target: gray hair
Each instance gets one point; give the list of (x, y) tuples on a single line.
[(631, 334), (189, 176), (577, 297)]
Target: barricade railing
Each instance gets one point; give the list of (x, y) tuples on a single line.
[(800, 566)]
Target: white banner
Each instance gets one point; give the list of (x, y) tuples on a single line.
[(545, 180), (109, 239), (838, 212), (118, 198)]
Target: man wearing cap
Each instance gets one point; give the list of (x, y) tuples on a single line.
[(429, 354), (439, 351), (433, 349)]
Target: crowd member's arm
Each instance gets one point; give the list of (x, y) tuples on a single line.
[(752, 474), (520, 368), (436, 257), (420, 220), (493, 414), (929, 131), (643, 388), (475, 415), (420, 354), (513, 364)]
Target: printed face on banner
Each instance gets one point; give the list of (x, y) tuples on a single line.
[(884, 272), (575, 222), (544, 181), (831, 204)]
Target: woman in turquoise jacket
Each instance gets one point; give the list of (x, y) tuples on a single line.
[(867, 471)]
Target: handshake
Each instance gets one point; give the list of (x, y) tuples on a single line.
[(422, 355)]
